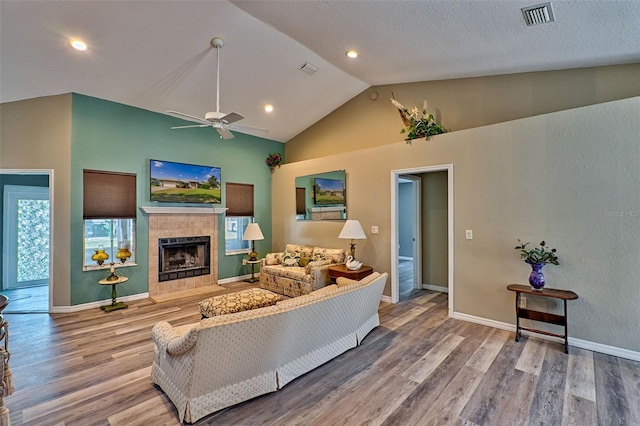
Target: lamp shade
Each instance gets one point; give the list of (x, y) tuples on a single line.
[(252, 232), (352, 230)]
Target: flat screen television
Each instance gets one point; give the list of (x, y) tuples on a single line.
[(328, 191), (171, 182)]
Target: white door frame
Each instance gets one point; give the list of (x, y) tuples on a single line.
[(48, 172), (416, 226), (395, 175)]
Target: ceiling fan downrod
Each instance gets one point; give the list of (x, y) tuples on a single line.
[(217, 42)]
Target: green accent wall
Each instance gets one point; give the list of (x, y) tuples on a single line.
[(115, 137)]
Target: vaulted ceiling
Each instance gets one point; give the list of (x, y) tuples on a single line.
[(156, 55)]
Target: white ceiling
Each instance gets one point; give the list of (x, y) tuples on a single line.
[(156, 54)]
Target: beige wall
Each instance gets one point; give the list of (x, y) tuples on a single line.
[(570, 177), (36, 134), (461, 104)]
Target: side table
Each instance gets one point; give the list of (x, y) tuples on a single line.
[(114, 306), (253, 264), (547, 317), (338, 271)]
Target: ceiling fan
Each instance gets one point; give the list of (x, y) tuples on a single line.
[(220, 121)]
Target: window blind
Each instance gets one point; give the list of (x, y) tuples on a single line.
[(108, 195), (239, 199)]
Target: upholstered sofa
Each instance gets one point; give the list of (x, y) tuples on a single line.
[(221, 361), (298, 269)]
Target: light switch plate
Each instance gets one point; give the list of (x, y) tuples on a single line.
[(468, 234), (375, 230)]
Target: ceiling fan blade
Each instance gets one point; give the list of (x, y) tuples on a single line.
[(232, 117), (224, 133), (256, 131), (189, 117), (190, 126)]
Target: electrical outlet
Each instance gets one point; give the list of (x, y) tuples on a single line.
[(375, 230), (523, 302), (244, 262), (468, 234)]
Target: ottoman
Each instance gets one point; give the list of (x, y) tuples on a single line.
[(236, 302)]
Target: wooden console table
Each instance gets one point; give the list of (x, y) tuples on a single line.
[(547, 317), (342, 271)]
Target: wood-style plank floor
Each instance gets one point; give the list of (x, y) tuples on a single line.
[(418, 368)]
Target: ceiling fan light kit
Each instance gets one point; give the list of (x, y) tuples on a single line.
[(221, 121)]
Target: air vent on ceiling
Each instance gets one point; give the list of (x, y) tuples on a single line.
[(309, 68), (538, 14)]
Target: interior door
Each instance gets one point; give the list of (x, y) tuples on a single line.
[(25, 253)]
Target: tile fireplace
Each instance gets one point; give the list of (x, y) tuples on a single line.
[(183, 257)]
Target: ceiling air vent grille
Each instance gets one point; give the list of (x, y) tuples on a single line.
[(538, 14), (309, 68)]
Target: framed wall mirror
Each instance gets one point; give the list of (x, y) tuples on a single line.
[(322, 196)]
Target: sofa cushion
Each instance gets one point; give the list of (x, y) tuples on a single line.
[(273, 258), (316, 263), (237, 302), (303, 250), (336, 255), (294, 272)]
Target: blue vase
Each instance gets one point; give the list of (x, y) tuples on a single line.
[(536, 277)]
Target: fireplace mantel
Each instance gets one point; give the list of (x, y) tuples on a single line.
[(183, 210)]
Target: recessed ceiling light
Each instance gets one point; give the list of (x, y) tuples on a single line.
[(352, 53), (78, 44), (268, 107)]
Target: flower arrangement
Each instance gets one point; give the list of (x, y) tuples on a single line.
[(537, 255), (273, 161), (418, 124)]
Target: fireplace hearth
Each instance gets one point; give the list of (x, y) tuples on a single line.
[(183, 257)]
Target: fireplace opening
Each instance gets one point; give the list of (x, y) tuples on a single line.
[(183, 257)]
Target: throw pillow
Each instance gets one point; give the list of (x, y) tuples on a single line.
[(304, 261), (291, 258), (273, 258)]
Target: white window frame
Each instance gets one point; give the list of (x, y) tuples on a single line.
[(112, 249), (247, 250)]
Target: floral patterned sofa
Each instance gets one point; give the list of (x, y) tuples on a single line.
[(298, 269)]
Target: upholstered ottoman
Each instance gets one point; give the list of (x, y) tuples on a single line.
[(236, 302)]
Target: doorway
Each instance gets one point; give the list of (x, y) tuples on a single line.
[(26, 211), (400, 177)]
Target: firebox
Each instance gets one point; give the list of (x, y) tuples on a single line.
[(183, 257)]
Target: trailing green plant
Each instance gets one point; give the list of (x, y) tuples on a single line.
[(540, 254), (418, 123)]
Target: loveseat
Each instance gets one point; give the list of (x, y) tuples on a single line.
[(298, 269), (221, 361)]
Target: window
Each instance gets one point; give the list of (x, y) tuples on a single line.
[(239, 214), (109, 213)]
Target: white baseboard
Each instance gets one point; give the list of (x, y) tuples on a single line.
[(578, 343), (386, 298), (435, 288), (234, 279), (92, 305)]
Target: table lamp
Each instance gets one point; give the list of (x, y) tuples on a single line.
[(352, 230), (253, 233)]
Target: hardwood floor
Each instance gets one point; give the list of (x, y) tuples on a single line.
[(418, 368)]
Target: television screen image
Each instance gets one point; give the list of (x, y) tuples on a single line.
[(328, 191), (171, 182)]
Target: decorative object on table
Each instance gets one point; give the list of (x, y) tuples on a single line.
[(352, 264), (418, 123), (537, 257), (99, 256), (252, 233), (123, 252), (352, 230), (113, 279), (274, 161)]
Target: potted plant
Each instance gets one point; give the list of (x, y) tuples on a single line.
[(273, 161), (537, 257), (418, 123)]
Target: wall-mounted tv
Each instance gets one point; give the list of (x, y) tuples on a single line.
[(328, 191), (171, 182)]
